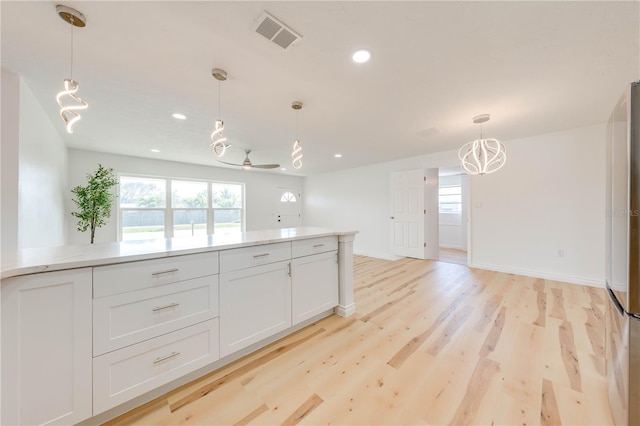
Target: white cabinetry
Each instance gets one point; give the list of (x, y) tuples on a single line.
[(126, 373), (314, 285), (153, 322), (46, 348), (103, 332), (255, 303)]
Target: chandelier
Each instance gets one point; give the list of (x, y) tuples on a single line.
[(218, 138), (482, 156), (296, 154), (69, 111)]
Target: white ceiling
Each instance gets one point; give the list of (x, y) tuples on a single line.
[(536, 67)]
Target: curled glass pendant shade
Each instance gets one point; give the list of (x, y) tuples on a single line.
[(296, 155), (218, 139), (69, 113)]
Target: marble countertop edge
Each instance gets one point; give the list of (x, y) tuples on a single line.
[(37, 260)]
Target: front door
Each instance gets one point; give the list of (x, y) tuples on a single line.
[(287, 212), (407, 213)]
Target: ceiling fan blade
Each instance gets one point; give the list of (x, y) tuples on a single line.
[(230, 164), (265, 166)]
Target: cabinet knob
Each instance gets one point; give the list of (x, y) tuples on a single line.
[(391, 217)]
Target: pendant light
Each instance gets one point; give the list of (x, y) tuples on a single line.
[(218, 138), (296, 154), (69, 112), (482, 156)]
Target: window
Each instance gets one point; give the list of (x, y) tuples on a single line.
[(288, 197), (227, 207), (450, 199), (189, 203), (142, 207), (165, 208)]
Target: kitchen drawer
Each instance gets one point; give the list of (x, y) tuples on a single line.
[(129, 372), (127, 318), (123, 277), (311, 246), (246, 257)]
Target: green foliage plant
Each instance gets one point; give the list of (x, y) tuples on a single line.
[(94, 200)]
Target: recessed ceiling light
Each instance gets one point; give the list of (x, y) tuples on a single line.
[(337, 155), (179, 116), (155, 150), (283, 169), (361, 56)]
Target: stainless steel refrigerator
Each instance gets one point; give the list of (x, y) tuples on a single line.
[(623, 257)]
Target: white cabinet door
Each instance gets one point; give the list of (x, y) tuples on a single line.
[(46, 348), (255, 303), (314, 284)]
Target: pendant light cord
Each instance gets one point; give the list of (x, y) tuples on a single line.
[(219, 108), (71, 77)]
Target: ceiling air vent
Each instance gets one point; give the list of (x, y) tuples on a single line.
[(275, 30)]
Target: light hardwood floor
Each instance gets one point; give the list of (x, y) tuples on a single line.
[(431, 343), (450, 255)]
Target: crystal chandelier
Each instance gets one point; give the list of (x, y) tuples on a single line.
[(69, 111), (482, 156), (218, 138), (296, 154)]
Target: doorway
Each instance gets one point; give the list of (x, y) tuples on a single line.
[(452, 215), (287, 211)]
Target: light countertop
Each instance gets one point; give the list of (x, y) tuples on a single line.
[(31, 261)]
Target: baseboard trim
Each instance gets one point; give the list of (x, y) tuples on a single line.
[(384, 256), (539, 274), (345, 311), (452, 247)]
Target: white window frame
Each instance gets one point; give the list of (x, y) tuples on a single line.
[(168, 209)]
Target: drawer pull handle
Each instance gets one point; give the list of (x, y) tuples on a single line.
[(255, 256), (164, 358), (318, 245), (168, 271), (161, 308)]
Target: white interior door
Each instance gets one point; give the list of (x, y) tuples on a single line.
[(407, 213), (287, 212)]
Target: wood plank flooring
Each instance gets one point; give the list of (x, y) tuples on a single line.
[(431, 343), (450, 255)]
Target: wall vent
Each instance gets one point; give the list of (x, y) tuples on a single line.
[(275, 30)]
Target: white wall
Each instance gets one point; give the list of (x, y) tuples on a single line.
[(34, 171), (260, 187), (548, 197), (359, 199), (535, 205), (10, 142), (42, 176)]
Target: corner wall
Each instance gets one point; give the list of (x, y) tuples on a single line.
[(42, 176), (543, 213), (359, 199), (34, 171), (9, 161), (549, 196)]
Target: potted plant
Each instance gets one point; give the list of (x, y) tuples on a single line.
[(94, 200)]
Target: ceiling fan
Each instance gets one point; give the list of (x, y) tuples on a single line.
[(246, 164)]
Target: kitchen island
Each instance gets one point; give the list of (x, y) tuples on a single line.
[(89, 332)]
